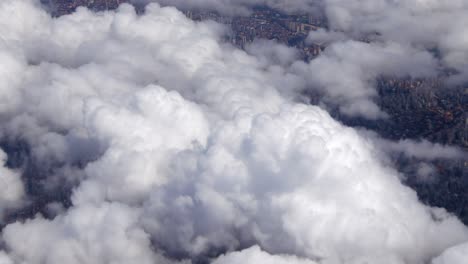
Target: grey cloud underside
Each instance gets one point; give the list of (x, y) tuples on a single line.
[(180, 145)]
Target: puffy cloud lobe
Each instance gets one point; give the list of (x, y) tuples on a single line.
[(5, 259), (160, 123), (256, 255), (455, 255), (186, 146), (105, 234)]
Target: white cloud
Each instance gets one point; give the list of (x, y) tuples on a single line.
[(187, 146), (421, 24), (107, 233), (455, 255), (256, 255), (4, 258)]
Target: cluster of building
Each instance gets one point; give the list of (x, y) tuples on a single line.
[(63, 7), (425, 109), (266, 23)]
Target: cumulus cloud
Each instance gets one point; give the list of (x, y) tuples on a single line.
[(297, 166), (104, 234), (182, 147), (346, 72), (426, 25)]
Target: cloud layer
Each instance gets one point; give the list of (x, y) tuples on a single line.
[(181, 147)]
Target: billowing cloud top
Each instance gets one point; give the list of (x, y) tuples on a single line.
[(181, 148)]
